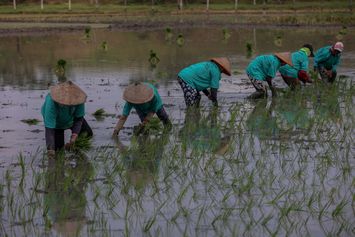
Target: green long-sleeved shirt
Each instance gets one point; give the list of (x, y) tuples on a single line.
[(263, 66), (60, 116), (201, 75), (324, 58), (300, 62)]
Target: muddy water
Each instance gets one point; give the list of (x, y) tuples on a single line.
[(26, 70), (102, 196)]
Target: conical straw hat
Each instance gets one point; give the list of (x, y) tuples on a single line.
[(67, 93), (138, 93), (285, 57), (224, 64)]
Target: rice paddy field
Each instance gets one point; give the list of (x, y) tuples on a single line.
[(280, 166)]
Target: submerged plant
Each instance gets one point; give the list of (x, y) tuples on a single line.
[(87, 32), (249, 48), (180, 40), (168, 34), (60, 69), (278, 41), (99, 112), (153, 58), (226, 34), (104, 45), (31, 121)]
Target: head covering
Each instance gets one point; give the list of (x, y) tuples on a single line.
[(310, 48), (339, 46), (67, 93), (224, 64), (284, 57), (138, 93)]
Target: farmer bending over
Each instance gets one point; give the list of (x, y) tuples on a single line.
[(292, 75), (63, 109), (200, 77), (263, 69), (326, 61), (144, 97)]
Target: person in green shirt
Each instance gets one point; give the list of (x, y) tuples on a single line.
[(326, 61), (299, 71), (64, 109), (201, 77), (263, 69), (145, 99)]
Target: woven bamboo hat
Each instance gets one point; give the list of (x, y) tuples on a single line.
[(224, 64), (138, 93), (67, 93), (284, 57)]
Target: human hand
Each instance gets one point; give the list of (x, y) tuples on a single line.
[(70, 144)]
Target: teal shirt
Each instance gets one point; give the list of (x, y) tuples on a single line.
[(300, 63), (263, 66), (60, 116), (153, 105), (324, 58), (201, 75)]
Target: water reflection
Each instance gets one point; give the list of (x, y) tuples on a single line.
[(142, 158), (295, 115), (202, 133), (27, 61), (65, 198)]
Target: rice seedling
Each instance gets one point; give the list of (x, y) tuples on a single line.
[(104, 46), (278, 41), (153, 58), (31, 121), (226, 34), (87, 32), (287, 171), (249, 49), (168, 34), (180, 40)]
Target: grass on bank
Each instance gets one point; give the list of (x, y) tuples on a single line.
[(168, 7)]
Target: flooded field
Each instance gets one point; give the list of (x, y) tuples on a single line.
[(277, 167)]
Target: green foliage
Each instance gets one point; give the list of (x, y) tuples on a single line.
[(180, 40), (31, 121), (249, 49)]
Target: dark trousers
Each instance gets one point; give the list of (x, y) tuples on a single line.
[(55, 137), (161, 113)]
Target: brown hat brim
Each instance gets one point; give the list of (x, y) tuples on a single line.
[(284, 57), (67, 93), (138, 93), (224, 64)]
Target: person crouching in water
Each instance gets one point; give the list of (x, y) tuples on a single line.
[(201, 77), (299, 71), (263, 69), (145, 99), (64, 108), (326, 61)]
